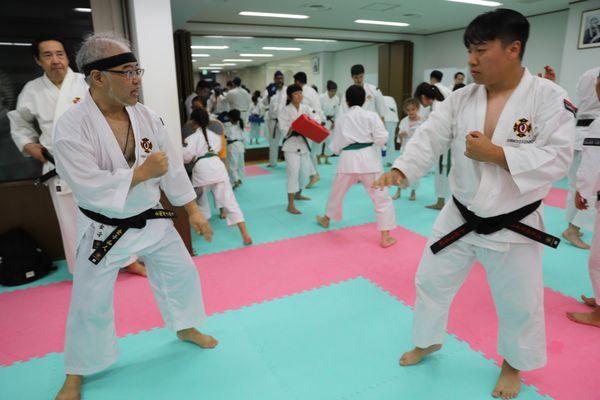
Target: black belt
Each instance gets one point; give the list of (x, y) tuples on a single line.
[(584, 122), (486, 226), (296, 134), (330, 118), (122, 225), (233, 141), (50, 174)]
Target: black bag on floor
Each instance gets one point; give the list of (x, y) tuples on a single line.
[(21, 260)]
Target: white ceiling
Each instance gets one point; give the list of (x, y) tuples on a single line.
[(424, 16), (239, 46)]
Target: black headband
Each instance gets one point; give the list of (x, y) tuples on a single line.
[(109, 62)]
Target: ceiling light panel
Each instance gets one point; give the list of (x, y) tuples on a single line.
[(272, 15), (385, 23)]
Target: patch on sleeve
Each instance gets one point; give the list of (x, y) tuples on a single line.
[(570, 107)]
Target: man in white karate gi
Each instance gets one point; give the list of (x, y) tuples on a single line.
[(239, 99), (374, 100), (511, 135), (435, 78), (116, 156), (274, 99)]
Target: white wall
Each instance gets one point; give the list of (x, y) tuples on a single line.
[(446, 50), (576, 61), (368, 56)]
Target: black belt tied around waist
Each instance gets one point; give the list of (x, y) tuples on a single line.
[(122, 225), (486, 226), (232, 141), (50, 174), (584, 122), (296, 134)]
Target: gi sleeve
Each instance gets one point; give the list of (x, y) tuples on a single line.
[(189, 149), (338, 141), (589, 170), (380, 134), (22, 119), (533, 166), (77, 164), (175, 183), (430, 140)]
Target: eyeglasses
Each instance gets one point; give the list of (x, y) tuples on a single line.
[(129, 74)]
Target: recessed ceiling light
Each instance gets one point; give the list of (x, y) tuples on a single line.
[(223, 65), (478, 2), (272, 15), (387, 23), (210, 67), (255, 55), (83, 10), (282, 48), (315, 40), (229, 37), (14, 44), (193, 60), (216, 71), (200, 55), (210, 47), (237, 60)]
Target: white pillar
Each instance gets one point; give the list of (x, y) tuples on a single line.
[(152, 39)]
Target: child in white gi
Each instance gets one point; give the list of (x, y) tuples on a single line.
[(357, 137), (408, 127), (295, 147), (209, 173), (511, 135), (234, 131), (256, 119), (330, 104)]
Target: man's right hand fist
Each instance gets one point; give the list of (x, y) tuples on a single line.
[(156, 165), (35, 151)]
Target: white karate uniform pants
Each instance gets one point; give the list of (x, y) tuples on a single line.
[(254, 131), (442, 186), (390, 152), (326, 150), (66, 213), (235, 155), (315, 150), (571, 211), (91, 340), (298, 168), (515, 279), (274, 141), (225, 198), (384, 207), (594, 261)]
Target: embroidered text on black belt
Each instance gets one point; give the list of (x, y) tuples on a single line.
[(122, 225), (584, 122), (486, 226)]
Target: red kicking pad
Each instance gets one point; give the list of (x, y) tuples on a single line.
[(310, 129)]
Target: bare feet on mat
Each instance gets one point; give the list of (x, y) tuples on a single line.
[(323, 221), (591, 318), (387, 241), (247, 240), (71, 389), (196, 337), (413, 196), (589, 301), (313, 180), (571, 234), (509, 383), (223, 213), (293, 210), (397, 195), (437, 206), (415, 356), (137, 268)]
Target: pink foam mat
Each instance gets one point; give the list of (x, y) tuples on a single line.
[(557, 198), (242, 277), (255, 170)]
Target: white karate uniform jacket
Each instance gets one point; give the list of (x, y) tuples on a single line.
[(446, 91), (274, 104), (588, 106), (239, 99), (287, 116), (207, 170), (410, 127), (359, 126), (536, 158), (374, 101), (311, 98), (329, 105)]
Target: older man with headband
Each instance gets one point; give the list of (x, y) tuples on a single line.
[(116, 156)]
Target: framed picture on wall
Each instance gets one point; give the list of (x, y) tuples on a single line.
[(589, 35), (315, 65)]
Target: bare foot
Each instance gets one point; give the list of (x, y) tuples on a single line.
[(415, 356), (293, 210), (313, 180), (397, 195), (413, 196), (591, 318), (323, 221), (437, 206), (247, 240), (223, 214), (572, 236), (589, 301), (137, 268), (193, 335), (71, 389), (298, 196), (327, 160), (509, 383), (387, 241)]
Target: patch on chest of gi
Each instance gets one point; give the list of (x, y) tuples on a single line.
[(369, 97), (523, 131), (146, 145), (76, 100), (570, 107)]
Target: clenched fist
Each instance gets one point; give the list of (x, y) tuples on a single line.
[(156, 165), (394, 177), (35, 151)]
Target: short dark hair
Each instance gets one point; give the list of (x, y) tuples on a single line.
[(300, 77), (331, 85), (35, 46), (458, 86), (201, 99), (457, 74), (355, 95), (428, 90), (437, 75), (293, 89), (504, 24), (202, 84), (357, 69), (237, 81), (200, 116)]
